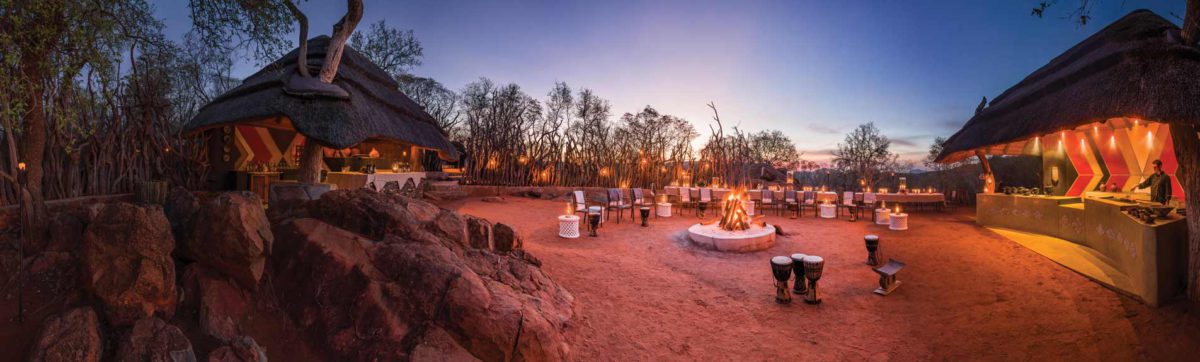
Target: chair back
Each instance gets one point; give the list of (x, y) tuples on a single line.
[(848, 198), (768, 195), (810, 197), (869, 198), (789, 196), (639, 196), (685, 194), (705, 194), (614, 197)]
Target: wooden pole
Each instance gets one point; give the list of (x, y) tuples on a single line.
[(989, 180)]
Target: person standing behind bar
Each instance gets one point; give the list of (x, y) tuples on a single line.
[(1159, 184)]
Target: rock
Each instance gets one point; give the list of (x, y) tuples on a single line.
[(479, 233), (72, 336), (231, 235), (437, 345), (505, 238), (152, 339), (286, 198), (493, 199), (367, 212), (219, 303), (423, 211), (451, 227), (127, 262), (65, 233), (53, 273), (181, 208), (242, 349), (402, 299)]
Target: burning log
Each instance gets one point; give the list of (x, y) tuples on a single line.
[(733, 215)]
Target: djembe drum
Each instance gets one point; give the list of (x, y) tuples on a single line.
[(593, 223), (781, 267), (872, 249), (799, 288), (813, 267)]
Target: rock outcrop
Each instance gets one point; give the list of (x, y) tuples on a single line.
[(70, 337), (364, 295), (127, 262), (242, 349), (231, 235), (152, 339), (218, 303)]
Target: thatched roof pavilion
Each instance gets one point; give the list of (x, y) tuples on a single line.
[(1136, 67), (372, 108)]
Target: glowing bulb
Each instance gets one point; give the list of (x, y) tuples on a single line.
[(21, 166)]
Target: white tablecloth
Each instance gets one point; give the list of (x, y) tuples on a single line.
[(354, 180), (914, 198)]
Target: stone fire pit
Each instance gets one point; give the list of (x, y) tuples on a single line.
[(712, 236)]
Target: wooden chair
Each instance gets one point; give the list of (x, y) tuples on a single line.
[(869, 204), (810, 201), (768, 202), (790, 202), (847, 203), (640, 199), (705, 198), (617, 202), (685, 199), (579, 204)]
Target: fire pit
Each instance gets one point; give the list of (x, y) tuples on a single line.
[(735, 231)]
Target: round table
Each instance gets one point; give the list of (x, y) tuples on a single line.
[(898, 221), (568, 226), (663, 210), (881, 216), (828, 211)]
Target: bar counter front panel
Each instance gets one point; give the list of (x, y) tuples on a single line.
[(1153, 257)]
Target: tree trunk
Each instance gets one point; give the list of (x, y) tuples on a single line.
[(1190, 32), (310, 163), (1187, 152), (302, 56), (341, 33), (989, 180)]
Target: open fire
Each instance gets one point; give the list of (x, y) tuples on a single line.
[(733, 215)]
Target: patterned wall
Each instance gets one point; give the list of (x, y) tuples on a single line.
[(1118, 153), (260, 144)]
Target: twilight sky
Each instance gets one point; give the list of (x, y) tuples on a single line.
[(813, 69)]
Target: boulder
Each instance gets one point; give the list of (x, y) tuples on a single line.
[(505, 238), (242, 349), (72, 336), (479, 233), (65, 233), (404, 299), (219, 304), (152, 339), (367, 212), (451, 227), (231, 235), (181, 208), (127, 262)]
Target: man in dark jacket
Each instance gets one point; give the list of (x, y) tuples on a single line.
[(1159, 184)]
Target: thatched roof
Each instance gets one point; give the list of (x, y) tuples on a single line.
[(1136, 67), (375, 108)]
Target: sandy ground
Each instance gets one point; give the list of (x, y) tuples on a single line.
[(967, 294)]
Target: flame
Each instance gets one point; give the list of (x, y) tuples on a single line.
[(733, 215), (569, 211), (374, 153), (897, 209)]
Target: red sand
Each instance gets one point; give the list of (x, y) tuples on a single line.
[(644, 294)]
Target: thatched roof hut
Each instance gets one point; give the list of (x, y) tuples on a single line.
[(374, 109), (1136, 67)]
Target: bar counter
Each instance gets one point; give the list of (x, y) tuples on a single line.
[(1152, 257)]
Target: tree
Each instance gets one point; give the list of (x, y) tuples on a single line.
[(438, 101), (775, 148), (866, 154), (1184, 136), (394, 50)]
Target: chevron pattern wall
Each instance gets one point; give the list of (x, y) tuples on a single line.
[(260, 144), (1116, 154)]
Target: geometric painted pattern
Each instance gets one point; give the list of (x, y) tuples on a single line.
[(1118, 153), (260, 144)]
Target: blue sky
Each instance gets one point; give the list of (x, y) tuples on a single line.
[(813, 69)]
